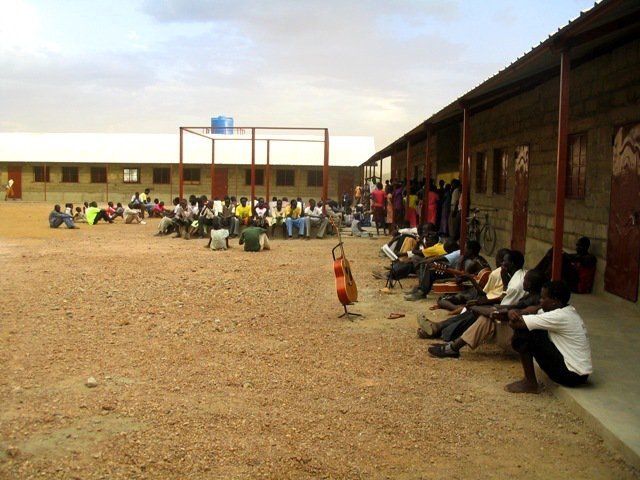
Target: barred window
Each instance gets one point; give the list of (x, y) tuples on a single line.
[(500, 168), (191, 175), (41, 174), (285, 178), (259, 176), (70, 174), (98, 174), (131, 175), (481, 172), (576, 166), (314, 178), (162, 176)]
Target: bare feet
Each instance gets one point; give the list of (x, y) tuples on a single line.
[(435, 306), (522, 386)]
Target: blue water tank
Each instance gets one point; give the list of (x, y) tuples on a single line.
[(222, 125)]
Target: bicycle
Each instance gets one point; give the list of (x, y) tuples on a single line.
[(485, 233)]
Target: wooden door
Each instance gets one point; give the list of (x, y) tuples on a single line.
[(520, 199), (346, 183), (623, 240), (221, 182), (15, 174)]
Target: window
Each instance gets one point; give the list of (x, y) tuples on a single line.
[(162, 176), (98, 174), (500, 166), (41, 174), (131, 175), (70, 174), (314, 178), (481, 172), (285, 178), (576, 166), (259, 176), (191, 175)]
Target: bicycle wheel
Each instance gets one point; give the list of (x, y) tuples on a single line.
[(488, 236), (474, 230)]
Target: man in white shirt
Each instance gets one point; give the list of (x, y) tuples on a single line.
[(556, 337), (313, 216)]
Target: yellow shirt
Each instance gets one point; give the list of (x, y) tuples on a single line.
[(243, 212), (294, 213), (493, 288), (436, 250)]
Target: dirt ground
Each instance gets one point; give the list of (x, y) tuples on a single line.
[(236, 365)]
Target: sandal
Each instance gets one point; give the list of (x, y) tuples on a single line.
[(393, 315)]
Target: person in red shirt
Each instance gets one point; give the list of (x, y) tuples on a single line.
[(378, 197)]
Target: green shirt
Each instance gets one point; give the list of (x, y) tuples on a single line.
[(250, 237), (92, 213)]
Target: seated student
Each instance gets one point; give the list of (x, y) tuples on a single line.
[(471, 263), (556, 337), (229, 219), (136, 202), (578, 269), (462, 317), (254, 238), (260, 214), (405, 239), (219, 239), (133, 215), (490, 294), (278, 217), (451, 301), (313, 216), (217, 207), (182, 218), (149, 205), (483, 328), (243, 213), (95, 214), (294, 219), (158, 210), (57, 218), (79, 216), (166, 225), (334, 212), (68, 209), (407, 263)]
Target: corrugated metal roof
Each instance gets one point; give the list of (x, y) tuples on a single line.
[(594, 31), (133, 148)]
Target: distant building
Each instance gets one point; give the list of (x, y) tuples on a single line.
[(76, 167)]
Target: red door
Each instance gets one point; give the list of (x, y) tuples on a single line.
[(15, 174), (221, 182), (345, 184), (623, 240), (520, 199)]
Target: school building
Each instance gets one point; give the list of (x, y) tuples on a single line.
[(550, 146), (78, 167)]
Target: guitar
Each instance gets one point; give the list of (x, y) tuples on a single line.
[(345, 284), (479, 281)]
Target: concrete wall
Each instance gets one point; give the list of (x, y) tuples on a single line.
[(604, 93), (117, 191)]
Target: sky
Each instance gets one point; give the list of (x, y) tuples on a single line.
[(357, 67)]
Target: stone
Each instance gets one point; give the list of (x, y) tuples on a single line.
[(91, 382)]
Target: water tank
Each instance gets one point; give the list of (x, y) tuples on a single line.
[(222, 125)]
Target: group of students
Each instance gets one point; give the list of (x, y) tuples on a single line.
[(200, 217), (91, 214), (541, 322)]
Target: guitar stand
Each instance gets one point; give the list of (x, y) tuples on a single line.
[(348, 314)]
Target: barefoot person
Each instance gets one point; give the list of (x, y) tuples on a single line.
[(556, 337)]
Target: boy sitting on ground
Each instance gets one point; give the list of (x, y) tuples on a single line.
[(556, 337)]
